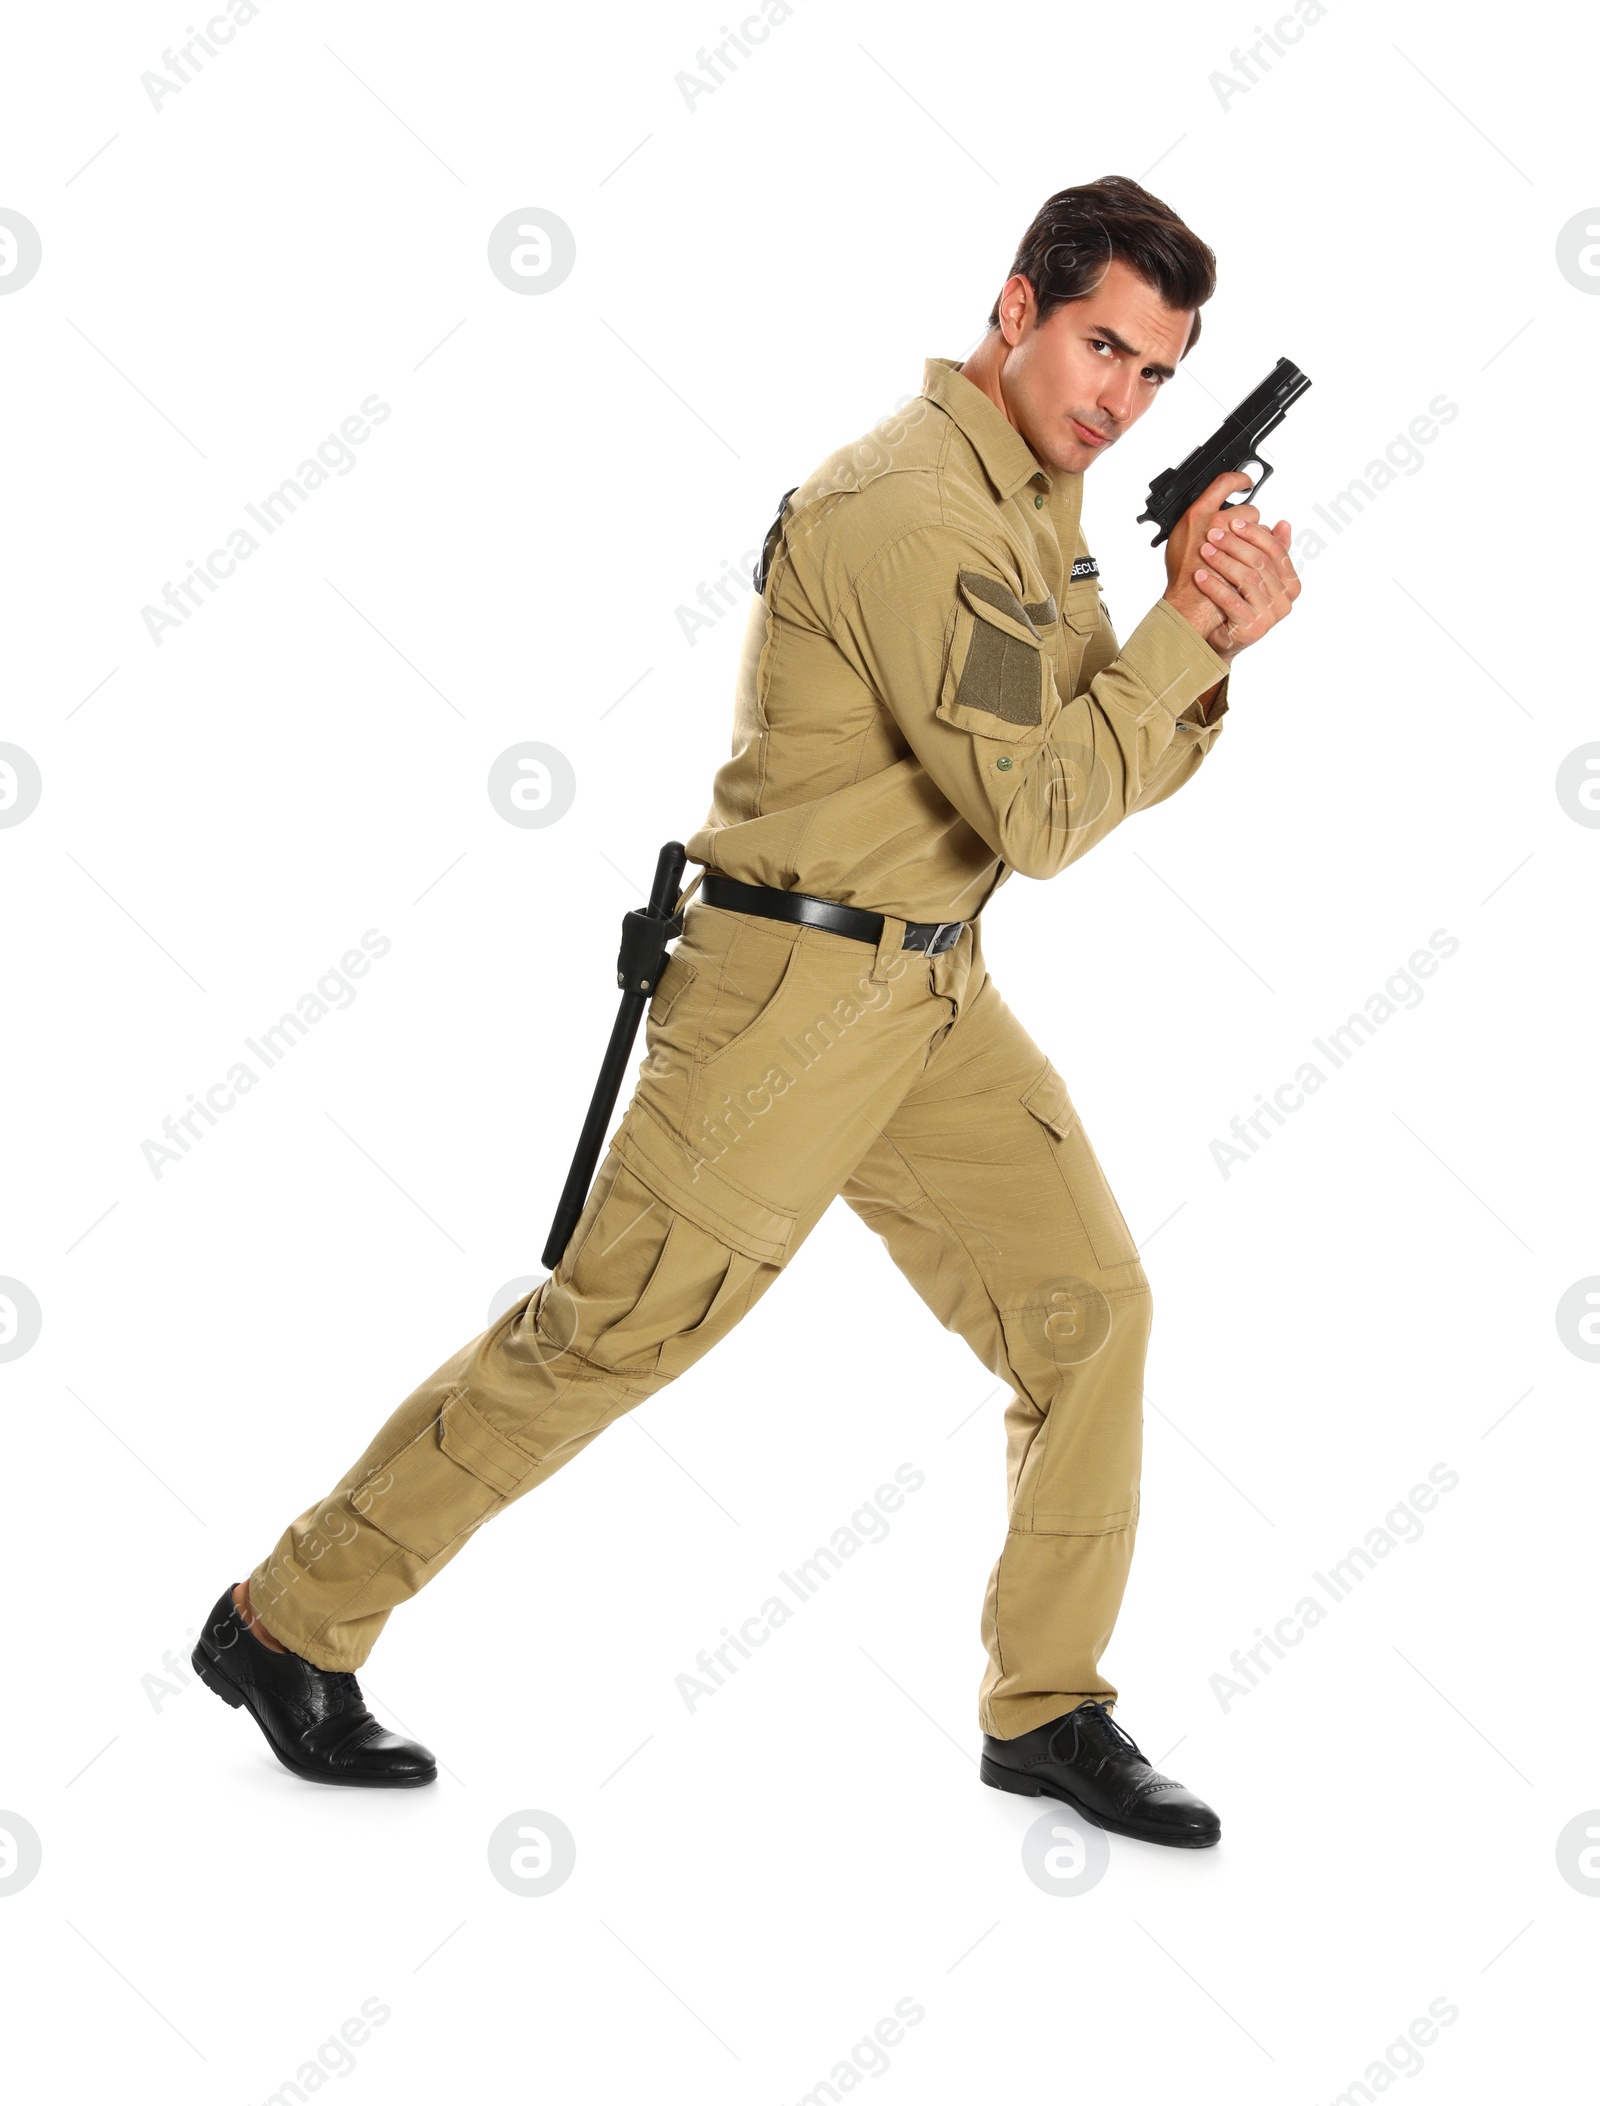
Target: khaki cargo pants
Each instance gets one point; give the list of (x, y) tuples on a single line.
[(785, 1066)]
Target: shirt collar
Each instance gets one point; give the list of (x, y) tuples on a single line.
[(1007, 458)]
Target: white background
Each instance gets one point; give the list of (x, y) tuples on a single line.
[(1372, 1294)]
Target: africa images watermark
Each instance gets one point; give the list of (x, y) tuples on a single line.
[(844, 470), (1401, 1524), (866, 1525), (186, 63), (334, 1526), (1401, 456), (868, 2057), (1402, 2057), (716, 65), (719, 1131), (1399, 991), (182, 1132), (334, 2058), (730, 591), (333, 457), (1279, 41)]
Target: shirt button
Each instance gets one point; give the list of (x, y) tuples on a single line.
[(1004, 761), (1038, 500)]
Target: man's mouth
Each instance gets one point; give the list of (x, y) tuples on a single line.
[(1088, 434)]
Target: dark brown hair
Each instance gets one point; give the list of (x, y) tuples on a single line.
[(1076, 233)]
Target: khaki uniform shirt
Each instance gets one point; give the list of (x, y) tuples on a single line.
[(931, 694)]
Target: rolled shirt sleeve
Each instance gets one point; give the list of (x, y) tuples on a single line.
[(968, 671)]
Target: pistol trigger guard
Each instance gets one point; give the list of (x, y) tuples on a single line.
[(1246, 497)]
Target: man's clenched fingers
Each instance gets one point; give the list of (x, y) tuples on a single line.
[(1254, 544), (1239, 560)]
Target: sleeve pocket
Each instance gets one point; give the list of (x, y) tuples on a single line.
[(998, 680)]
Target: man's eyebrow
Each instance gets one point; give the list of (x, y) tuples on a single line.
[(1111, 337)]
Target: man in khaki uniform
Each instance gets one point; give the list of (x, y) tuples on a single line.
[(931, 696)]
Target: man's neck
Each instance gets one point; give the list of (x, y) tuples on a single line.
[(982, 368)]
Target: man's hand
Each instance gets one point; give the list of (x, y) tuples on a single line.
[(1228, 577)]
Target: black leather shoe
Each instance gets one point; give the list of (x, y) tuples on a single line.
[(1087, 1759), (316, 1723)]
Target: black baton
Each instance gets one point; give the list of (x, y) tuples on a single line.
[(640, 963)]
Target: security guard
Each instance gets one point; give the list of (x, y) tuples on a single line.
[(930, 698)]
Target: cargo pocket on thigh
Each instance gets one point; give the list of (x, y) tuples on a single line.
[(727, 1305), (695, 1189), (710, 1245), (697, 1290), (1097, 1209), (610, 1277), (455, 1474)]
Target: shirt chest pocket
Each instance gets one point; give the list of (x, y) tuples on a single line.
[(999, 676), (1081, 609)]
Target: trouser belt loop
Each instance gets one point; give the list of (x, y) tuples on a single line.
[(889, 945)]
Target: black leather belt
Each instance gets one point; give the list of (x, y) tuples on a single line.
[(866, 927)]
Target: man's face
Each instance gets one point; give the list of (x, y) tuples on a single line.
[(1074, 385)]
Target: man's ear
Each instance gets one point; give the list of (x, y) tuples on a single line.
[(1016, 286)]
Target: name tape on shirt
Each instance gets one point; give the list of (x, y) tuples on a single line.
[(1084, 567)]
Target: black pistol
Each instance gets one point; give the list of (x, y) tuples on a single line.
[(1231, 445), (641, 961)]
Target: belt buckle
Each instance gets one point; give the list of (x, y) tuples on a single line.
[(934, 948)]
